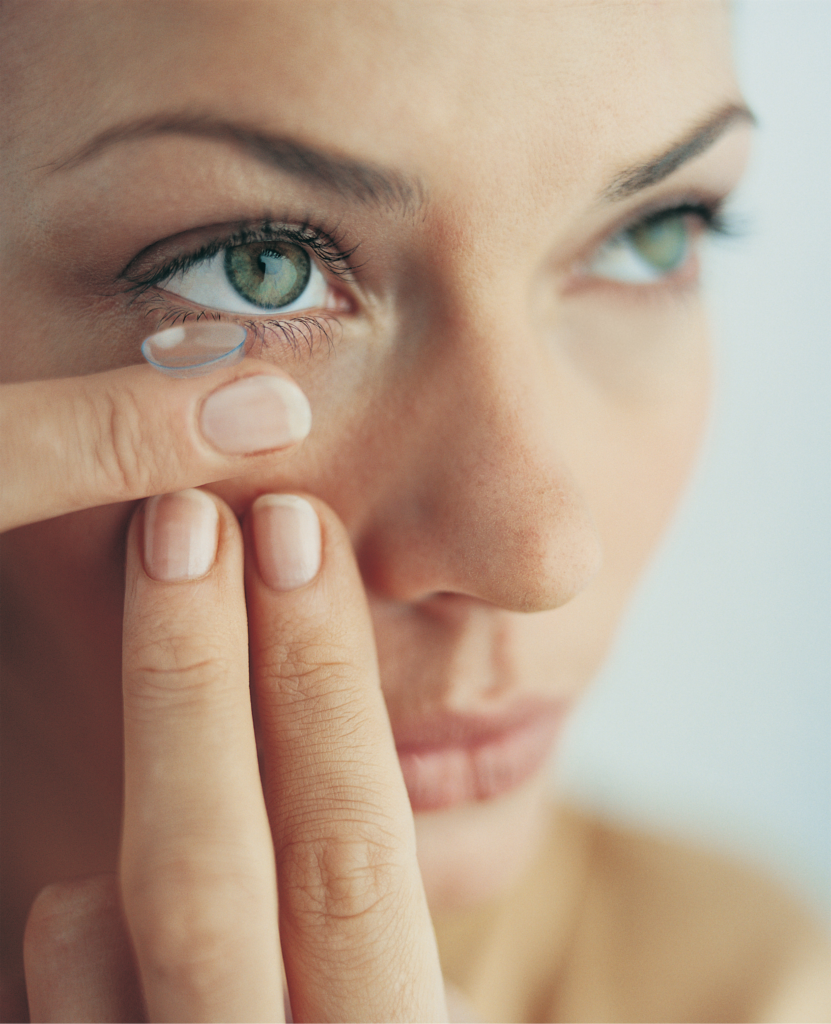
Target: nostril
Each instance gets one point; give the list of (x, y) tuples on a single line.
[(448, 605), (449, 569)]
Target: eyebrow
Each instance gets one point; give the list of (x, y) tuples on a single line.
[(365, 182), (641, 176), (375, 185)]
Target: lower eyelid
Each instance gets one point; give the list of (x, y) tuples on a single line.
[(303, 332), (584, 276), (684, 278), (300, 334)]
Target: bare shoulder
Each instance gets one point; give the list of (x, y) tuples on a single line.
[(670, 932)]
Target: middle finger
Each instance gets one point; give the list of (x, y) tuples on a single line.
[(358, 942), (197, 868)]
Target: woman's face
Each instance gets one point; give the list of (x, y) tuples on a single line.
[(501, 336)]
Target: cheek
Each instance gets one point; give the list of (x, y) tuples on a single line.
[(56, 321), (64, 580), (635, 470), (632, 446), (639, 478), (342, 460), (640, 420)]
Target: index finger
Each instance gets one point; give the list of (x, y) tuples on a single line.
[(81, 442)]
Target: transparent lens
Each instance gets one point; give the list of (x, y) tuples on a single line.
[(195, 349)]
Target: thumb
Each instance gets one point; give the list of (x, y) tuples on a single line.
[(125, 434)]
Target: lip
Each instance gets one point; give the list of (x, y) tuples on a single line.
[(452, 759)]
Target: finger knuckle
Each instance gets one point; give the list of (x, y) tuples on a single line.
[(186, 954), (187, 922), (343, 878), (317, 677), (174, 671), (296, 657), (117, 443)]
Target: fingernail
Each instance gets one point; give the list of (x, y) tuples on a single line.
[(256, 414), (286, 539), (195, 349), (180, 536)]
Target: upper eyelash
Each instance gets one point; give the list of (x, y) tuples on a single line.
[(711, 213), (327, 247), (295, 331)]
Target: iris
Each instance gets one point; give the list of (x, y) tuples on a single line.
[(648, 251), (268, 274), (663, 244)]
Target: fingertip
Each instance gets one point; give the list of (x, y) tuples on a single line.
[(287, 540), (255, 414), (181, 534)]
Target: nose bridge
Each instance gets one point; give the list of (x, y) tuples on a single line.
[(483, 502)]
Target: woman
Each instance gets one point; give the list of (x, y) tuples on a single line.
[(465, 239)]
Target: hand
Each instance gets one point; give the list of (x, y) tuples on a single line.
[(82, 442), (211, 858)]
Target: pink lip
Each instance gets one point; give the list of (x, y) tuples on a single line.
[(454, 759)]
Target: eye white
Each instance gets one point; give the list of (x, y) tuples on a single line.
[(619, 260), (207, 284)]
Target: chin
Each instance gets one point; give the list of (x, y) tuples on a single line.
[(473, 852)]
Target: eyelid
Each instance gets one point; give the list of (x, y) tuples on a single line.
[(647, 208), (654, 209), (325, 246), (302, 330), (690, 201)]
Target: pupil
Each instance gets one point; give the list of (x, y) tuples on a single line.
[(268, 274)]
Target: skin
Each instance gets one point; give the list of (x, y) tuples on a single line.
[(498, 440)]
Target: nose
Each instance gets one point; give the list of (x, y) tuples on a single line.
[(478, 498)]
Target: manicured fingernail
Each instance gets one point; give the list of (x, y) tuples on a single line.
[(287, 540), (180, 536), (256, 414), (194, 349)]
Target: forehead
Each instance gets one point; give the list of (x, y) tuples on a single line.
[(435, 88)]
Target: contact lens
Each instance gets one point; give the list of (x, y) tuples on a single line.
[(193, 350)]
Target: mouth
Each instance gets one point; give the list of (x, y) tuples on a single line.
[(454, 759)]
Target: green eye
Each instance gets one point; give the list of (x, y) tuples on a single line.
[(268, 274), (664, 244), (646, 252)]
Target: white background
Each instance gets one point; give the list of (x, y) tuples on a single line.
[(713, 718)]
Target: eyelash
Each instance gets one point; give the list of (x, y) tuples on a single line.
[(710, 213), (712, 216), (328, 248), (295, 331)]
